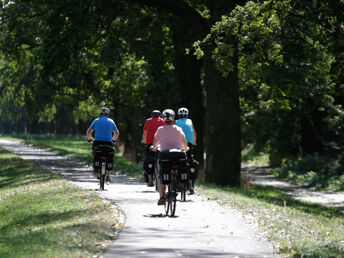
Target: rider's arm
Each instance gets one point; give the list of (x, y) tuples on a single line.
[(144, 136), (184, 144), (88, 133), (194, 135), (155, 143), (115, 135)]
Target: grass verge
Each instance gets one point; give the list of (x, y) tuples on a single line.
[(43, 215), (297, 228), (77, 147)]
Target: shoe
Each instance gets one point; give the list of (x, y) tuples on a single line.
[(191, 191), (161, 201), (150, 184), (108, 178)]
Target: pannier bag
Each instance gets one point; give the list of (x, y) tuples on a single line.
[(104, 151), (193, 168), (149, 162), (175, 161)]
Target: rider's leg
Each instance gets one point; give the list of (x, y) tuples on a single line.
[(162, 189), (150, 178)]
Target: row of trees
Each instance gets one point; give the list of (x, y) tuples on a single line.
[(268, 73)]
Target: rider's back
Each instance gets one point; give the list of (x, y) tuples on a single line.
[(186, 125), (151, 125), (103, 127), (170, 137)]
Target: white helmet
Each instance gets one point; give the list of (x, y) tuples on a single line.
[(183, 112), (104, 111), (168, 115)]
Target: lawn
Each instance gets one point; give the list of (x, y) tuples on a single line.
[(43, 215)]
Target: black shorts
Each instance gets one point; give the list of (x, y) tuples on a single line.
[(97, 143)]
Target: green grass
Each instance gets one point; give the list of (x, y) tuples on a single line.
[(295, 227), (43, 215), (77, 147), (250, 157)]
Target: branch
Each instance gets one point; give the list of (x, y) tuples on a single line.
[(181, 9)]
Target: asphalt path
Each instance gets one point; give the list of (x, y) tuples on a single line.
[(263, 176), (201, 227)]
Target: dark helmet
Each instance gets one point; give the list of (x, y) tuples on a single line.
[(156, 113), (168, 115), (104, 111)]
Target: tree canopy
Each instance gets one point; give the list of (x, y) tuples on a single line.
[(266, 73)]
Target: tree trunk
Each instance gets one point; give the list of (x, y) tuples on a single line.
[(188, 81), (223, 132)]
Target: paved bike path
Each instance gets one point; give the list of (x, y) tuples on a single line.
[(201, 228)]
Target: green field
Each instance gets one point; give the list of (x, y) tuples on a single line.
[(43, 215)]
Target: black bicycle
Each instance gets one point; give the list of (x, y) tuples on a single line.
[(103, 161), (173, 173)]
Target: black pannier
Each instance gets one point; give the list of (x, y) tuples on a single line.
[(103, 151), (175, 161), (149, 162), (193, 167)]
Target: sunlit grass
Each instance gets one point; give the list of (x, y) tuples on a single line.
[(295, 227), (43, 215), (250, 157), (77, 147)]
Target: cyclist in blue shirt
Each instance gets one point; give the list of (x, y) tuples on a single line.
[(190, 134), (105, 132)]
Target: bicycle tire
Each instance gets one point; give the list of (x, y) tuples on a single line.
[(173, 199), (102, 180), (167, 200), (183, 192)]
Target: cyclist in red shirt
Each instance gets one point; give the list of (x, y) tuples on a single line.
[(149, 129)]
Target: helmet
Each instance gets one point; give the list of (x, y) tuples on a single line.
[(168, 115), (156, 113), (104, 111), (184, 112)]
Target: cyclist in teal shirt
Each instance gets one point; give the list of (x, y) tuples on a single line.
[(190, 134)]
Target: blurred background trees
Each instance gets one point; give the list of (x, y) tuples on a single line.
[(266, 74)]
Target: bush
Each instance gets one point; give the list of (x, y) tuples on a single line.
[(319, 172)]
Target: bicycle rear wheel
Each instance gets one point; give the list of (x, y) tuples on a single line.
[(102, 177), (173, 199), (183, 192), (170, 200)]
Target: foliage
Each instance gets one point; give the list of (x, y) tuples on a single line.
[(319, 172), (289, 99), (43, 215)]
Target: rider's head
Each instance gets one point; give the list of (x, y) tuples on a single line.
[(104, 111), (183, 112), (156, 113), (168, 116)]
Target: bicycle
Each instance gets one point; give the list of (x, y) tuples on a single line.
[(102, 161), (173, 171), (149, 165)]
